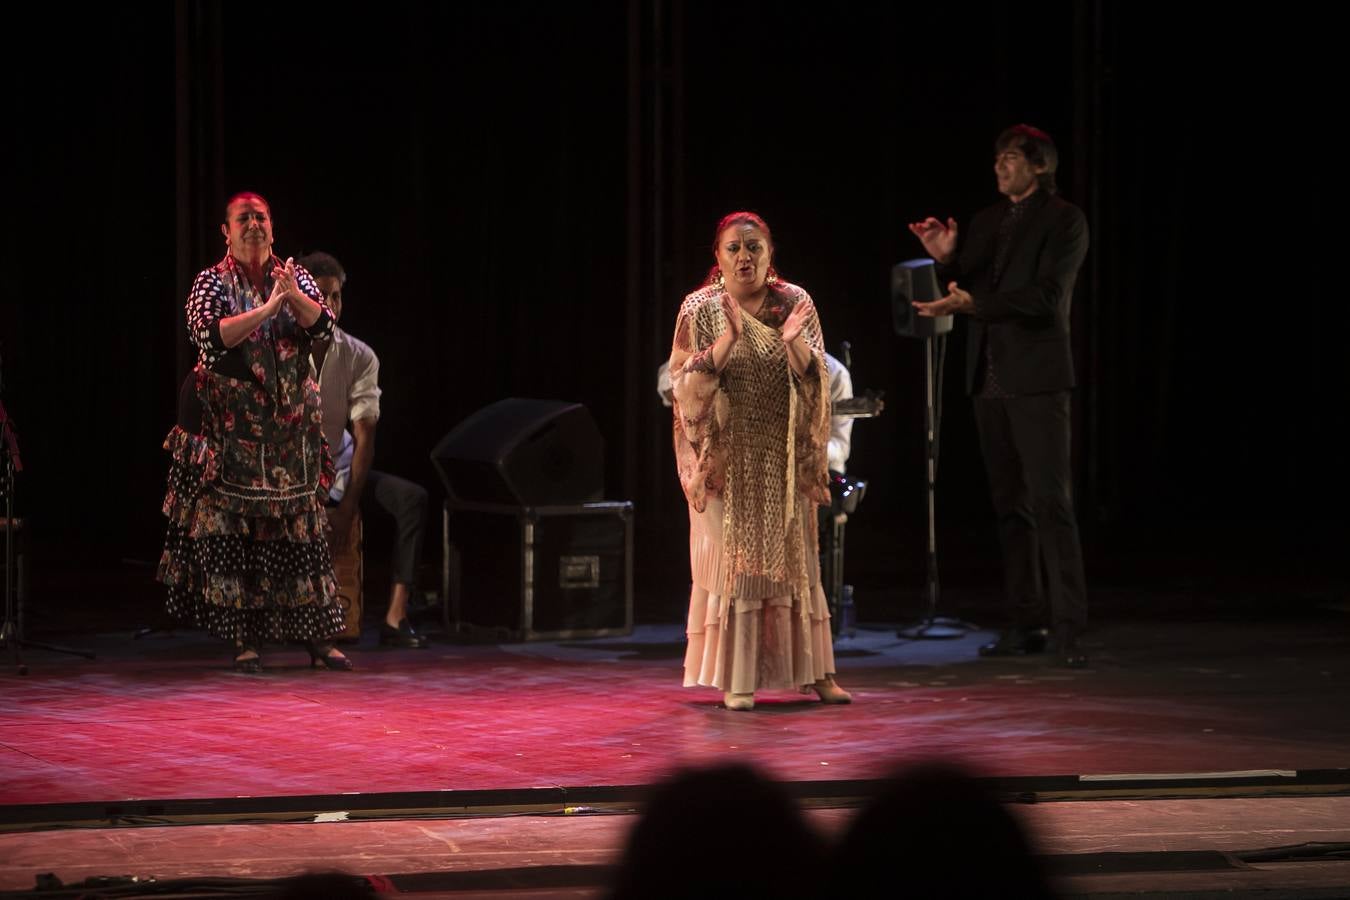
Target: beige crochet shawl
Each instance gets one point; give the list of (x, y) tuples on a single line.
[(755, 434)]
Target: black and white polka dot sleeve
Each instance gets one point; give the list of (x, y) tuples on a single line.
[(322, 329), (207, 304)]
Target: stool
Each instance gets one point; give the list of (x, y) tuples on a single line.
[(349, 569)]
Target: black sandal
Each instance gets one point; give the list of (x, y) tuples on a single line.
[(319, 653), (249, 665)]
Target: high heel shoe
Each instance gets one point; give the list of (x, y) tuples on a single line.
[(401, 635), (249, 665), (828, 691), (322, 654)]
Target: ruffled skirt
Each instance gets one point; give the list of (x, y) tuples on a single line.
[(762, 637), (260, 573)]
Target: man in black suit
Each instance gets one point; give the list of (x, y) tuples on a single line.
[(1013, 274)]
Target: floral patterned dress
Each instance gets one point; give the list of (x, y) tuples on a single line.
[(246, 556)]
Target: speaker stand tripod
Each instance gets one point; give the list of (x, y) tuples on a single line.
[(932, 626)]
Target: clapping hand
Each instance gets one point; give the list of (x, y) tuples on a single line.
[(278, 295), (938, 238), (957, 300), (284, 279), (732, 311), (792, 326)]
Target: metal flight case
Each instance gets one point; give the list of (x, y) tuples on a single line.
[(537, 572)]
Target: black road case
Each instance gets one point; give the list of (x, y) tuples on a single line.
[(538, 572)]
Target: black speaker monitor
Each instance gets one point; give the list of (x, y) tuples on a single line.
[(915, 280), (522, 452)]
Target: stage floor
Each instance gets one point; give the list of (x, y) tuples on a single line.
[(1191, 848), (162, 718)]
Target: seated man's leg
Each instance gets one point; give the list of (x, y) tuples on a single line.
[(406, 502)]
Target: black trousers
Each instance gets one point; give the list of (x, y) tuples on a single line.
[(1026, 446), (406, 503)]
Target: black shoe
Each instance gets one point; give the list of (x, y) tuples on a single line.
[(322, 654), (402, 636), (1068, 653), (1016, 642), (1072, 659)]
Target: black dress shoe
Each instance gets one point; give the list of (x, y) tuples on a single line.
[(1068, 653), (1072, 659), (402, 636), (1016, 642)]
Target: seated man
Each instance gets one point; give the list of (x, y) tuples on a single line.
[(349, 392), (841, 427)]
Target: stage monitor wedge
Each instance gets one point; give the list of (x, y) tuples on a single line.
[(916, 280), (523, 452)]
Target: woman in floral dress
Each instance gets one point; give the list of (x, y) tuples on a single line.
[(246, 556)]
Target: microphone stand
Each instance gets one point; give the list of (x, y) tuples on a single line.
[(932, 626), (916, 280)]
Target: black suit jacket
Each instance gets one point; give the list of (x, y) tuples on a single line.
[(1024, 317)]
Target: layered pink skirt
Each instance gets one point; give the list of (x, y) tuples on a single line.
[(760, 637)]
